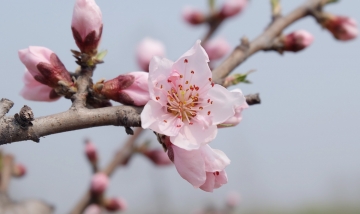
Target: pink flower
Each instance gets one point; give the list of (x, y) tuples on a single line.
[(45, 66), (158, 157), (204, 168), (217, 48), (233, 199), (237, 118), (145, 51), (130, 89), (87, 25), (91, 152), (342, 27), (185, 104), (193, 16), (233, 7), (99, 183), (92, 209), (20, 170), (116, 204), (298, 40), (33, 90)]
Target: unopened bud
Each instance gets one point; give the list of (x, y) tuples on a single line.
[(342, 27), (19, 170), (158, 157), (115, 204), (145, 51), (233, 7), (237, 118), (92, 209), (130, 89), (87, 26), (91, 152), (233, 199), (217, 48), (193, 16), (297, 40), (99, 183), (36, 91), (45, 66)]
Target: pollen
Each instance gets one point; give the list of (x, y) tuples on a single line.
[(192, 104), (181, 76), (187, 82), (209, 112), (185, 102)]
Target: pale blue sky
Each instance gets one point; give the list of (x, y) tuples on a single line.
[(300, 146)]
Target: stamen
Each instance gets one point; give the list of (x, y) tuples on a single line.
[(212, 102), (187, 82), (217, 173), (208, 100), (186, 61), (209, 112), (169, 81), (212, 84), (201, 108), (165, 121), (181, 76), (210, 79), (192, 72), (157, 98), (161, 86), (191, 124), (178, 126)]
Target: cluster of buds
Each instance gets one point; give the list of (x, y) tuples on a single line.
[(229, 8), (129, 89), (45, 77)]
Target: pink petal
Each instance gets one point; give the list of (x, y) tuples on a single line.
[(193, 136), (32, 56), (154, 116), (197, 61), (215, 160), (35, 91), (221, 96), (139, 90), (190, 165), (209, 184)]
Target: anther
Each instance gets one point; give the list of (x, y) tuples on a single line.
[(181, 76), (179, 117), (212, 102), (217, 173), (165, 121), (187, 82), (192, 72), (212, 84), (169, 80), (201, 108), (157, 98), (209, 112), (178, 126), (186, 61), (210, 79), (208, 100), (197, 88), (161, 86), (191, 124)]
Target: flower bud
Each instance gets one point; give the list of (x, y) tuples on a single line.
[(19, 170), (33, 90), (193, 16), (115, 204), (233, 199), (217, 48), (342, 27), (91, 152), (45, 66), (233, 7), (297, 40), (87, 25), (145, 51), (130, 89), (92, 209), (99, 183), (158, 157)]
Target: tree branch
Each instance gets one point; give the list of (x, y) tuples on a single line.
[(5, 106), (120, 157), (243, 51)]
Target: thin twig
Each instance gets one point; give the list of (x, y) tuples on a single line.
[(6, 172)]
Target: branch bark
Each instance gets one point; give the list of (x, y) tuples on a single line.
[(5, 106), (241, 52), (120, 157)]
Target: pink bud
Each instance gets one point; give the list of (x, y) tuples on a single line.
[(130, 89), (33, 90), (217, 48), (145, 51), (298, 40), (342, 27), (20, 170), (233, 199), (193, 16), (233, 7), (158, 156), (116, 204), (87, 25), (92, 209), (45, 66), (91, 152), (99, 183), (237, 118)]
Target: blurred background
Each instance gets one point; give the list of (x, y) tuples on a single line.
[(296, 152)]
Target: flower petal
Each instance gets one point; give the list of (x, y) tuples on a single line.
[(209, 184), (215, 160), (190, 165), (223, 104), (193, 136)]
